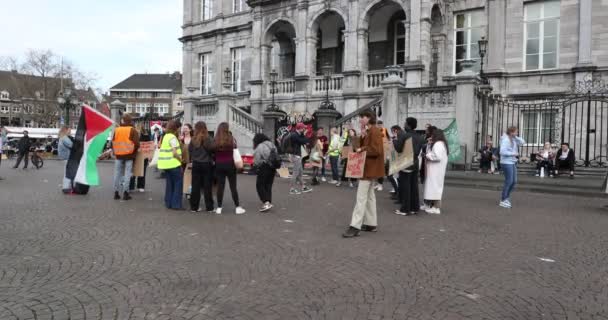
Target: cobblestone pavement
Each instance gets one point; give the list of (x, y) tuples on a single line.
[(90, 257)]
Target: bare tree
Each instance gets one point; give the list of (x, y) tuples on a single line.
[(9, 63)]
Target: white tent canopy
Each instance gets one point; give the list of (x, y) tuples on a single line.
[(36, 133)]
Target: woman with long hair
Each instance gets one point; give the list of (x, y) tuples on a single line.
[(264, 156), (509, 153), (201, 154), (225, 167), (170, 160), (436, 157), (315, 157), (64, 149)]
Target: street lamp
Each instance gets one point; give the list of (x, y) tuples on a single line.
[(67, 101), (483, 49), (273, 84), (327, 70)]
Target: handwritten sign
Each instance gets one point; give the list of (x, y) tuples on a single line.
[(187, 179), (355, 165), (145, 151), (400, 161)]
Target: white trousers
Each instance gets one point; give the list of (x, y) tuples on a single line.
[(365, 208)]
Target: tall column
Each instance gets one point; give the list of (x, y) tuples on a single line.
[(414, 75), (465, 114), (187, 12), (350, 34), (257, 62), (496, 35), (391, 86), (301, 54), (584, 37)]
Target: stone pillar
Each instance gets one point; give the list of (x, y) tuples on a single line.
[(271, 119), (414, 74), (351, 61), (584, 66), (466, 81), (496, 35), (484, 90), (116, 107), (256, 42), (189, 104), (326, 118), (301, 54), (390, 104)]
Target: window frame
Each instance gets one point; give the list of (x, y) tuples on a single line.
[(541, 36), (468, 32), (396, 40), (236, 76), (5, 95), (205, 76), (206, 10), (538, 126), (241, 6)]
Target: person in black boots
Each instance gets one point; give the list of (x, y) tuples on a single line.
[(408, 178), (125, 143), (140, 182), (201, 150), (23, 149)]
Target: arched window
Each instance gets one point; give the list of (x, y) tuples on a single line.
[(4, 95)]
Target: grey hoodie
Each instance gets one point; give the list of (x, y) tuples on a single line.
[(261, 154)]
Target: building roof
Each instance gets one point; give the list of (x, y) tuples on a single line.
[(87, 95), (21, 86), (151, 81)]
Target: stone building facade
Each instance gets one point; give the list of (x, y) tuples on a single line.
[(536, 49)]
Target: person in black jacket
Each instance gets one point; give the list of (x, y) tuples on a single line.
[(23, 149), (408, 178), (297, 139), (564, 160)]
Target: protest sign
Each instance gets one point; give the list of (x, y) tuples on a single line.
[(346, 151), (187, 179), (145, 151), (399, 161), (355, 165)]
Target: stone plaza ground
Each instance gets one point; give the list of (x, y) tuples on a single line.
[(90, 257)]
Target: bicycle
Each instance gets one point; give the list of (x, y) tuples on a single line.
[(37, 159)]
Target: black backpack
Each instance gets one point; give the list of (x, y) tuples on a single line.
[(287, 144), (275, 159)]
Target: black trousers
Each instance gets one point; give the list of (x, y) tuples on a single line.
[(408, 192), (565, 165), (264, 182), (546, 164), (202, 176), (226, 171), (23, 156), (140, 181)]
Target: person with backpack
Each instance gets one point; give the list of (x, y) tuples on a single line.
[(64, 148), (292, 145), (266, 161)]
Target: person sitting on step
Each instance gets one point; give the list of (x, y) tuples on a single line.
[(544, 159), (564, 160)]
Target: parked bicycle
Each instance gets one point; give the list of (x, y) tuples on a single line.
[(36, 158)]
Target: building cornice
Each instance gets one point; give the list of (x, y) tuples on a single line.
[(217, 32), (260, 3)]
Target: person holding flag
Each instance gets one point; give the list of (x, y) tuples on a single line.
[(124, 145)]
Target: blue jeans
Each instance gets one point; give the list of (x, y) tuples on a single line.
[(121, 180), (333, 160), (173, 188), (510, 171)]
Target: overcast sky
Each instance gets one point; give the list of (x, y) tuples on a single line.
[(113, 38)]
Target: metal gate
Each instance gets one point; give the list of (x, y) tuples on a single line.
[(579, 118)]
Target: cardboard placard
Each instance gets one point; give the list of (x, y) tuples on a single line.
[(145, 151), (283, 172), (356, 165), (345, 152), (399, 161), (388, 148), (187, 179)]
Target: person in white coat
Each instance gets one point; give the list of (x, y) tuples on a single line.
[(436, 164)]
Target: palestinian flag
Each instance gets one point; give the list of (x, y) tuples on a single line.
[(91, 136)]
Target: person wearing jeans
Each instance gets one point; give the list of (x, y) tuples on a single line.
[(333, 151), (509, 152), (174, 181), (170, 161), (123, 169), (125, 143)]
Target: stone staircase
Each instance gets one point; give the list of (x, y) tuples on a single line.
[(244, 126)]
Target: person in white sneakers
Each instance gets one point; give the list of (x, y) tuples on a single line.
[(436, 165), (225, 167)]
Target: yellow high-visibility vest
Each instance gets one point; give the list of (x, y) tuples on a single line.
[(166, 160)]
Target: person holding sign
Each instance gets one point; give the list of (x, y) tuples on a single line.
[(364, 215), (140, 182), (409, 196)]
